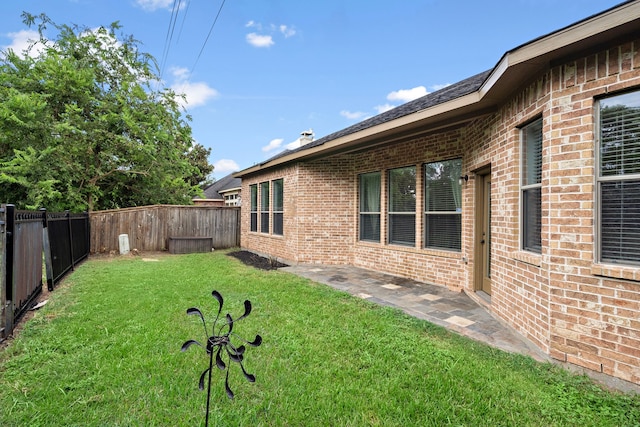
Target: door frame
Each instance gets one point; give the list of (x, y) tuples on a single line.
[(479, 218)]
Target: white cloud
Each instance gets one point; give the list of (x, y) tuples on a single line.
[(352, 115), (384, 108), (180, 73), (258, 40), (405, 95), (273, 144), (22, 40), (225, 166), (287, 31), (151, 5), (196, 93), (263, 35)]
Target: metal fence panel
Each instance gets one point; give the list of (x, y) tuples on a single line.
[(24, 237), (27, 261)]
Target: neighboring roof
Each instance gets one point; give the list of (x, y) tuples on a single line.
[(472, 97), (229, 182)]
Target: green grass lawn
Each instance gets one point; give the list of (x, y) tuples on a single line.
[(105, 351)]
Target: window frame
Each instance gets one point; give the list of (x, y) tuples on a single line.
[(529, 242), (393, 215), (363, 204), (429, 214), (265, 207), (253, 208), (277, 212), (603, 179)]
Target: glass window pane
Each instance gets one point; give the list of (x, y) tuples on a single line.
[(370, 227), (253, 189), (620, 221), (278, 224), (443, 231), (402, 190), (531, 193), (443, 205), (620, 135), (370, 206), (443, 192), (264, 207), (532, 221), (370, 192), (532, 153), (254, 197), (278, 195), (402, 206), (402, 229)]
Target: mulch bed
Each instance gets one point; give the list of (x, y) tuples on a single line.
[(257, 261)]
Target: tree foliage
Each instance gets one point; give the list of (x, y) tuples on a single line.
[(82, 127)]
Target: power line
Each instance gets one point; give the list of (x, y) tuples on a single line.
[(184, 18), (208, 35), (167, 42)]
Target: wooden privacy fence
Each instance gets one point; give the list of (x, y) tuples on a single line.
[(25, 236), (149, 228)]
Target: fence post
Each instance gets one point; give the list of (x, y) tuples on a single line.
[(7, 262), (47, 249), (238, 227), (87, 228), (73, 263), (3, 269)]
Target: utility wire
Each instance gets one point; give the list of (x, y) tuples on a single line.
[(169, 37), (184, 18), (208, 35)]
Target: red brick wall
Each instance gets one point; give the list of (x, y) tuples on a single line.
[(571, 307), (595, 315)]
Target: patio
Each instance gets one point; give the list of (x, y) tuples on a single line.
[(455, 311)]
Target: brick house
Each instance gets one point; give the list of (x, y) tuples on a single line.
[(519, 186), (223, 192)]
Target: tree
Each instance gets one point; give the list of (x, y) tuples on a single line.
[(81, 126)]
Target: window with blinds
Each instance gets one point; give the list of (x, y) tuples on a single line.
[(278, 207), (531, 186), (264, 207), (619, 179), (369, 192), (253, 190), (402, 206), (443, 205)]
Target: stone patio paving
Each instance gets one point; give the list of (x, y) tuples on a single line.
[(452, 310)]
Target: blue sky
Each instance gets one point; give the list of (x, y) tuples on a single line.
[(271, 69)]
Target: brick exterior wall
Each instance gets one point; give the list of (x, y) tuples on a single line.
[(562, 300)]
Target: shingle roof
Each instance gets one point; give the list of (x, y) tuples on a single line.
[(225, 183), (448, 93)]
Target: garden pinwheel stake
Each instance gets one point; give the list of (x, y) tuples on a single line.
[(220, 340)]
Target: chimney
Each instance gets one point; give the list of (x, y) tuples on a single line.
[(306, 136)]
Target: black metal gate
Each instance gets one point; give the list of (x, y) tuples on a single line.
[(26, 237)]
